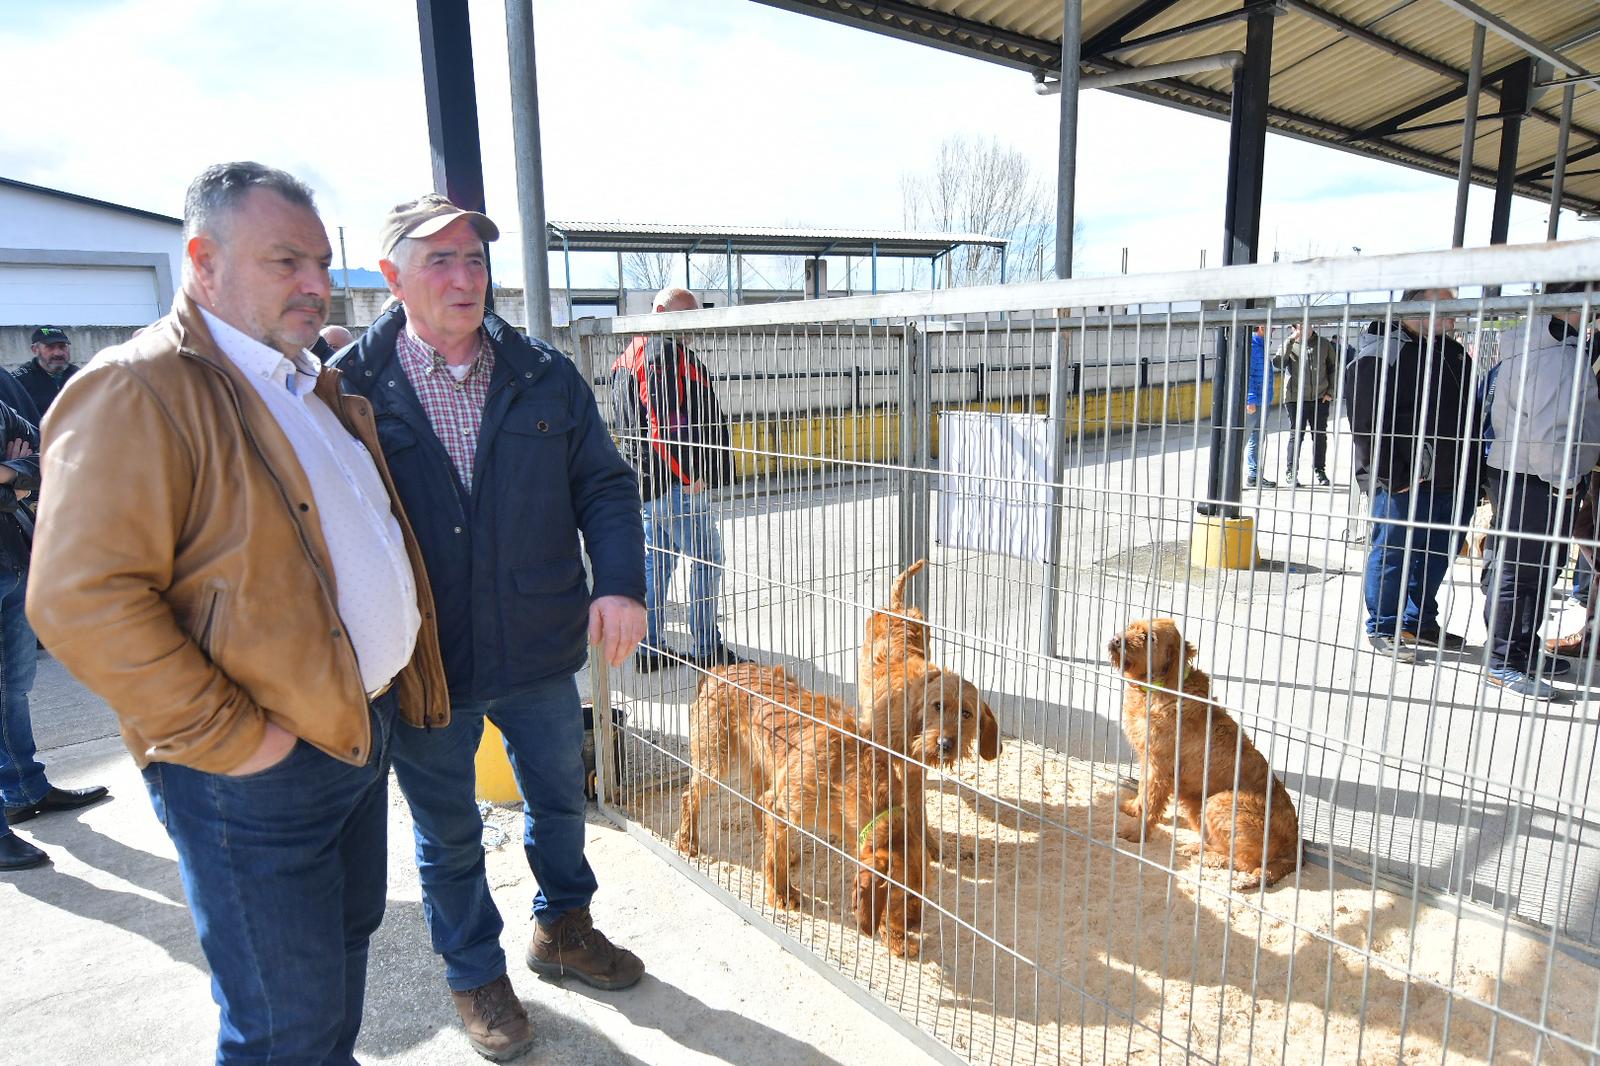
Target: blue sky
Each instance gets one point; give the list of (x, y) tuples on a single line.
[(711, 111)]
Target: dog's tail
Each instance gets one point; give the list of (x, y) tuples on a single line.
[(897, 592)]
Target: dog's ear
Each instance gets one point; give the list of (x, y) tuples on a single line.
[(988, 733), (1190, 653)]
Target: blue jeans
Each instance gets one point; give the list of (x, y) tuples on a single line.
[(285, 873), (1260, 425), (543, 729), (22, 779), (679, 523), (1402, 589)]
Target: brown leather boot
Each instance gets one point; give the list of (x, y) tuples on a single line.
[(574, 946), (495, 1020)]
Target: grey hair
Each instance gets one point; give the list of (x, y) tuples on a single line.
[(1420, 294), (215, 193), (672, 294), (404, 252)]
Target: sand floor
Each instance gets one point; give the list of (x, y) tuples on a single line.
[(1045, 939)]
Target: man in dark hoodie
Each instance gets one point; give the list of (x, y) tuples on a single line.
[(1407, 394), (502, 461), (47, 373)]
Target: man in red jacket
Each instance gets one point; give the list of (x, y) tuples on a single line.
[(674, 432)]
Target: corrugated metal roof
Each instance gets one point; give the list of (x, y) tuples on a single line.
[(756, 240), (1335, 72)]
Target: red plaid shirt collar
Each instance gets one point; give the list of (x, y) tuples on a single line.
[(454, 408)]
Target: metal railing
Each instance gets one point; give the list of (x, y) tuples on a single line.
[(1448, 904)]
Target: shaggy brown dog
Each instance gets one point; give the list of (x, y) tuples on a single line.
[(1221, 779), (803, 755), (908, 704)]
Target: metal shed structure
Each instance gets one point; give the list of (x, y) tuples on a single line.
[(732, 241)]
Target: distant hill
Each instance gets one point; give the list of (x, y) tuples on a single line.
[(359, 278)]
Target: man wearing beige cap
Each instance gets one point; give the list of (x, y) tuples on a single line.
[(220, 559), (502, 461)]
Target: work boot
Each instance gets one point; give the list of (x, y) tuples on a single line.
[(495, 1020), (1322, 478), (574, 946), (18, 854)]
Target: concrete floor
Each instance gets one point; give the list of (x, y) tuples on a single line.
[(105, 967)]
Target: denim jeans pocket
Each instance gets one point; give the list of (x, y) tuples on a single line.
[(296, 754), (156, 785)]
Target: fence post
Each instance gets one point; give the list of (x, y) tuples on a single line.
[(914, 447), (1056, 427)]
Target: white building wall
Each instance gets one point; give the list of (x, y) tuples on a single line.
[(59, 255)]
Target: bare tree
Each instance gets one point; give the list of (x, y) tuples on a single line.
[(990, 188), (648, 270)]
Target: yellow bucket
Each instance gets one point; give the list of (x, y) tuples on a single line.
[(1223, 543), (496, 781)]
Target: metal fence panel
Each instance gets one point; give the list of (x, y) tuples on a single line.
[(1447, 907)]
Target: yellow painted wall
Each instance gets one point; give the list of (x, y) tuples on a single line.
[(785, 443)]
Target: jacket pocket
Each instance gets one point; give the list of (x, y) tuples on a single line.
[(211, 620), (539, 421), (550, 578)]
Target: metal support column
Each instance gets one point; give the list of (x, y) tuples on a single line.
[(530, 167), (1067, 147), (1559, 179), (1469, 136), (728, 272), (566, 262), (1054, 515), (914, 448), (874, 268), (688, 282), (1247, 145), (451, 101), (1515, 90)]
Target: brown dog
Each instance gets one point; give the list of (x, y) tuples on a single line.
[(802, 754), (908, 704), (1190, 745)]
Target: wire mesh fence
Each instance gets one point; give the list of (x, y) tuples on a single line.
[(1076, 461)]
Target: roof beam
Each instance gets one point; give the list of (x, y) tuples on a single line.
[(965, 37), (1187, 28), (1107, 39), (1534, 47)]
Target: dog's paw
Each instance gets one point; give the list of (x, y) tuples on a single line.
[(904, 947), (1131, 829), (783, 901), (1131, 807)]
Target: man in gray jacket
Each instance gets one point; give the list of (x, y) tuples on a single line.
[(1542, 428), (1311, 366)]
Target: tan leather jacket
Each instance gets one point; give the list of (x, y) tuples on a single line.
[(179, 569)]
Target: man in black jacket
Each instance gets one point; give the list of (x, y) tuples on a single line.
[(47, 373), (502, 461), (676, 436), (1407, 395), (26, 791)]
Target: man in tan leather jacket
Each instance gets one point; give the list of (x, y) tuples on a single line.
[(220, 558)]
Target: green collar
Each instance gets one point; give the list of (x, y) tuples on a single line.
[(866, 830), (1183, 675)]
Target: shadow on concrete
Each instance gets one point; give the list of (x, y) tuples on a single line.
[(165, 924), (721, 1034)]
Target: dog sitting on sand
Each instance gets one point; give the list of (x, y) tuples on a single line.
[(1189, 746)]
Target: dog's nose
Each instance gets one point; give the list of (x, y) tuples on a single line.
[(946, 745)]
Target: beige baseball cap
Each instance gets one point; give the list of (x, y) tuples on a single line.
[(425, 216)]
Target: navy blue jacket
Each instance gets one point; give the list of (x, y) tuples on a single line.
[(504, 559)]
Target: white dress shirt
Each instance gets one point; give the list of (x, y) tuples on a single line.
[(377, 593)]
